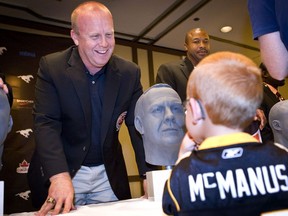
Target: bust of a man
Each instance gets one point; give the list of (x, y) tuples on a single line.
[(278, 120), (159, 118)]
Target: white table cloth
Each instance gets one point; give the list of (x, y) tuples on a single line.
[(131, 207)]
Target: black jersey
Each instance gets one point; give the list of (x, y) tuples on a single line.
[(242, 179)]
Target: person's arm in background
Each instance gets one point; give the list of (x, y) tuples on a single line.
[(274, 55), (260, 116), (264, 17)]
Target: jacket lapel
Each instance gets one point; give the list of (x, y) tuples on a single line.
[(186, 67), (111, 89), (76, 72)]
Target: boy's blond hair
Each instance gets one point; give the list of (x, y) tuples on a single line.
[(230, 87)]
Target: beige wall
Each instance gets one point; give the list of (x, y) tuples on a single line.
[(143, 64), (284, 89)]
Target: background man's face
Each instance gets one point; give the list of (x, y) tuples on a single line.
[(198, 46)]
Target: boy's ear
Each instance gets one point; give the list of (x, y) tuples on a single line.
[(138, 124), (196, 110), (10, 124)]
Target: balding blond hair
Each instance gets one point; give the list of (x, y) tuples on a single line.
[(84, 8), (229, 86)]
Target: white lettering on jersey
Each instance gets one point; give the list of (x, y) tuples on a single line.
[(240, 182), (256, 181), (226, 184), (282, 177), (206, 181), (269, 186), (196, 188)]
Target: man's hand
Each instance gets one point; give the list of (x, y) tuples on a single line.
[(260, 116), (60, 194)]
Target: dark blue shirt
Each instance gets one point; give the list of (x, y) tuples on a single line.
[(269, 16), (94, 156)]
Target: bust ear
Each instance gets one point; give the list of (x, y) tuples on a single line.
[(138, 125), (276, 125)]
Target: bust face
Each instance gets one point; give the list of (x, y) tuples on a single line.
[(162, 125), (4, 116), (278, 120)]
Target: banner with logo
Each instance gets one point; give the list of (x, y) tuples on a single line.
[(19, 60)]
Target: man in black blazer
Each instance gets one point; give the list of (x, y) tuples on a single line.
[(176, 74), (82, 96)]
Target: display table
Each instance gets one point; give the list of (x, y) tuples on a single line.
[(131, 207)]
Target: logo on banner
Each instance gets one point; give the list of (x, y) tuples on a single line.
[(27, 54), (23, 167), (23, 104), (26, 78), (25, 133), (24, 195), (2, 49)]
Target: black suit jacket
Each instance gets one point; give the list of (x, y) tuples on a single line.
[(176, 74), (62, 116)]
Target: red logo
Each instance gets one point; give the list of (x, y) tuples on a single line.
[(23, 167), (120, 120)]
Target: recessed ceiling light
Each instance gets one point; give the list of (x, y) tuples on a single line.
[(226, 29)]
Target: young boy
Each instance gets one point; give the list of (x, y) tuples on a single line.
[(230, 173)]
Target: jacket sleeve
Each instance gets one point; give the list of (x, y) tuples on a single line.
[(165, 75), (47, 123)]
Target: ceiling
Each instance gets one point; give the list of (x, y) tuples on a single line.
[(161, 23)]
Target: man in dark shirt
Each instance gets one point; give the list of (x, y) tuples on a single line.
[(176, 74)]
